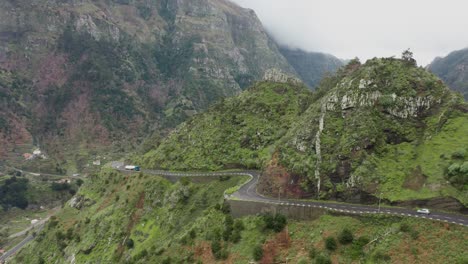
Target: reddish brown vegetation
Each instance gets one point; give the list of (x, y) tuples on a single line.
[(52, 72), (271, 248), (277, 181)]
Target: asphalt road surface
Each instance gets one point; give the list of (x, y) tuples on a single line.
[(248, 192), (15, 248)]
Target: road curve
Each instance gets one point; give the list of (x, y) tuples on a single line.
[(248, 192), (15, 248)]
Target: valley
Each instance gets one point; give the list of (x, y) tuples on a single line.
[(200, 131)]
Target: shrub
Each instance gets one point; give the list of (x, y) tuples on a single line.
[(404, 227), (356, 249), (222, 254), (79, 182), (192, 234), (239, 225), (379, 256), (129, 243), (454, 169), (459, 154), (322, 259), (167, 260), (346, 236), (275, 223), (257, 252), (236, 236), (215, 247), (312, 253), (414, 234), (330, 243)]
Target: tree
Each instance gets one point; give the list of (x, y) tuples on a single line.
[(330, 243), (79, 182), (275, 223), (407, 56), (130, 243), (346, 236), (257, 252)]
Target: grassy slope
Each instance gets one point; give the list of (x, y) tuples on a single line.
[(147, 209), (165, 226), (241, 131), (422, 242)]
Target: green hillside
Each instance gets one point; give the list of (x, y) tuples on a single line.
[(137, 218), (384, 128), (239, 132)]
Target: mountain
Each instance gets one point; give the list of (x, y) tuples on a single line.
[(240, 131), (385, 129), (453, 70), (311, 66), (82, 78)]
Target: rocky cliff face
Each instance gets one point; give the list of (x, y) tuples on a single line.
[(453, 69), (89, 73)]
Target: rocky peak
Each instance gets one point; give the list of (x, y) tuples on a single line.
[(276, 75)]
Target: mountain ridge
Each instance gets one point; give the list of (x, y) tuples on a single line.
[(345, 142), (453, 70)]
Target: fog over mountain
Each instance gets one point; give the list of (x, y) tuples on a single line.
[(366, 28)]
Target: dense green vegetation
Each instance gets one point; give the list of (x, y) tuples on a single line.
[(20, 191), (13, 193), (138, 218), (389, 128), (238, 132)]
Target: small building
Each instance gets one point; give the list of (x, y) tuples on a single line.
[(34, 221), (97, 162), (27, 156)]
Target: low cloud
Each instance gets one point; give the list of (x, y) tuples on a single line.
[(366, 28)]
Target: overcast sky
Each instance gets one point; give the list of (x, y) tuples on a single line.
[(367, 28)]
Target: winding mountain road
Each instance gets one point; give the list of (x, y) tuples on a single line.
[(248, 192)]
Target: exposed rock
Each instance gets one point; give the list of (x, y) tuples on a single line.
[(80, 201), (276, 75)]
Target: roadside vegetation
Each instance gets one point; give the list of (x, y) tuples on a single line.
[(138, 218)]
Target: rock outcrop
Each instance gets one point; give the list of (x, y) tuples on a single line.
[(87, 73)]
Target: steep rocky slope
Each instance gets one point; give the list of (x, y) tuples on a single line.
[(453, 69), (311, 66), (385, 128), (90, 74)]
